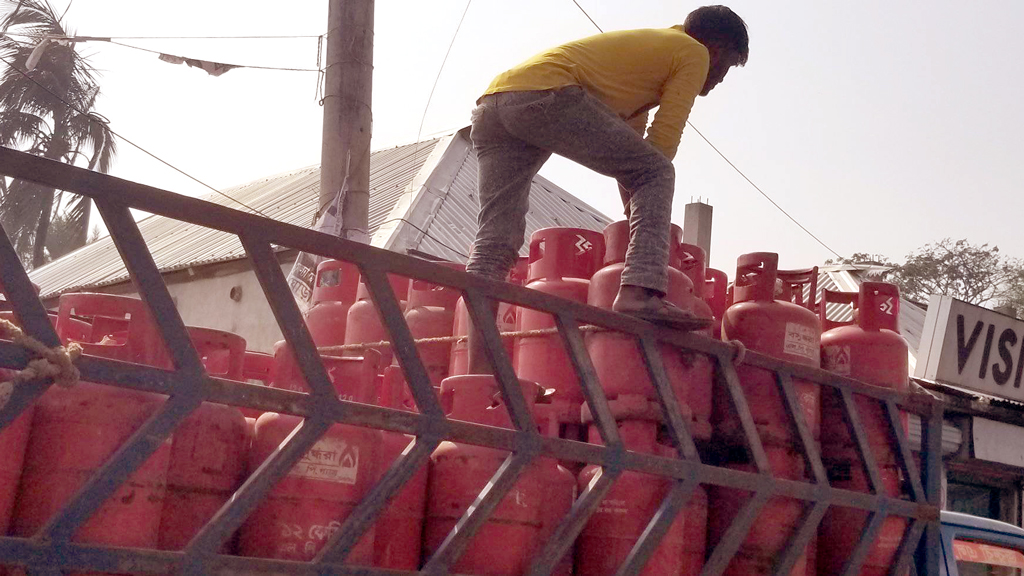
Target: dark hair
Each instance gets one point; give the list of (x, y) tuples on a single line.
[(720, 26)]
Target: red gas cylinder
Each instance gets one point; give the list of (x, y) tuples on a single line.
[(364, 324), (799, 287), (617, 359), (551, 415), (780, 329), (257, 369), (334, 292), (716, 294), (307, 507), (506, 543), (76, 430), (399, 529), (343, 371), (208, 449), (776, 523), (614, 528), (13, 440), (430, 313), (562, 260), (506, 319), (873, 352), (842, 527)]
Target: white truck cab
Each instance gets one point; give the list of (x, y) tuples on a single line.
[(974, 546)]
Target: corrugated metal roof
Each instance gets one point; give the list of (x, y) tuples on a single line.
[(450, 231), (289, 197)]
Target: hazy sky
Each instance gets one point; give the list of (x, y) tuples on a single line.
[(880, 126)]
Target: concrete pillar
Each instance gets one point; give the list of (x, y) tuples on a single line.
[(697, 226)]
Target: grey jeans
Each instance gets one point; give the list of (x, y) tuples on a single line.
[(514, 133)]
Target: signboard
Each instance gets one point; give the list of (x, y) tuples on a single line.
[(972, 347), (998, 442), (978, 553)]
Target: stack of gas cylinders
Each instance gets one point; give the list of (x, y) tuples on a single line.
[(54, 448)]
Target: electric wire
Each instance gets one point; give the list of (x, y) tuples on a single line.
[(235, 65), (441, 69), (84, 38), (133, 144), (730, 163)]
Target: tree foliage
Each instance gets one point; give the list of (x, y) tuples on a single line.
[(47, 111)]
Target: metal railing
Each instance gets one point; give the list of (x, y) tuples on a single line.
[(52, 549)]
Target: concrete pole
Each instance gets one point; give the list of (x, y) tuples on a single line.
[(345, 156), (697, 226)]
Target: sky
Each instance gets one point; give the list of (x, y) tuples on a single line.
[(878, 126)]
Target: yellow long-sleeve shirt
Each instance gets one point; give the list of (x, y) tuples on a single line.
[(631, 71)]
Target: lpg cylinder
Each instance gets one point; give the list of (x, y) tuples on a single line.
[(562, 260), (793, 283), (398, 535), (872, 351), (257, 369), (716, 294), (303, 510), (364, 325), (506, 319), (430, 313), (550, 414), (208, 448), (777, 522), (779, 329), (634, 498), (691, 260), (505, 544), (76, 430), (617, 359), (334, 292), (13, 440), (841, 528)]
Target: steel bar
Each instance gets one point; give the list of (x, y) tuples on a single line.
[(404, 346), (230, 517), (414, 457), (734, 536), (573, 523), (479, 511), (282, 303), (677, 426), (808, 444), (727, 377), (652, 535), (799, 540), (852, 566), (905, 553), (860, 440), (482, 318), (929, 550), (592, 391), (903, 454)]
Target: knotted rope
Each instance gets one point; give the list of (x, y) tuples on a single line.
[(56, 363)]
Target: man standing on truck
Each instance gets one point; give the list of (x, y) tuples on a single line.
[(588, 101)]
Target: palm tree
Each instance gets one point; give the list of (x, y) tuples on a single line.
[(47, 111)]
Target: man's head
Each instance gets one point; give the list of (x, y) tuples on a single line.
[(724, 34)]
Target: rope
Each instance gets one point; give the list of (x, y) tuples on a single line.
[(445, 339), (56, 363), (739, 352)]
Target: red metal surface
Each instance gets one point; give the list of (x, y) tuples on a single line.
[(334, 292), (793, 283), (616, 357), (775, 524), (780, 329), (398, 540), (257, 368), (75, 430), (430, 313), (871, 351), (841, 527), (363, 324), (208, 449), (506, 318), (13, 440), (623, 515), (302, 511), (716, 294), (562, 260), (505, 544)]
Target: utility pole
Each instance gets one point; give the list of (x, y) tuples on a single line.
[(345, 156)]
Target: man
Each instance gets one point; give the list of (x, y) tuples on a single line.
[(589, 100)]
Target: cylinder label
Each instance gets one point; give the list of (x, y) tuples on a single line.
[(801, 341), (837, 359), (331, 460)]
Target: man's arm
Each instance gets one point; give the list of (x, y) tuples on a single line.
[(681, 89)]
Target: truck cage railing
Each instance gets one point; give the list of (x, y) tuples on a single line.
[(52, 550)]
